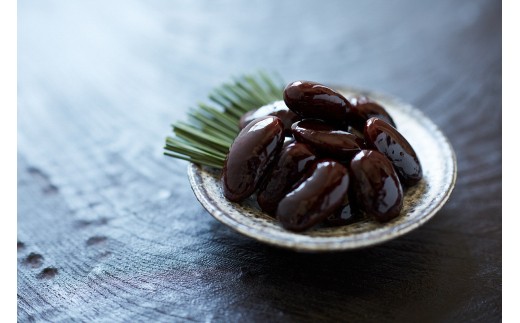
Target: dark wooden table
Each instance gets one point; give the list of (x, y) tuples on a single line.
[(109, 229)]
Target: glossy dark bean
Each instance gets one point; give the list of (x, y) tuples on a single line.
[(317, 196), (326, 140), (294, 161), (363, 109), (349, 212), (378, 190), (386, 139), (316, 101), (252, 152), (276, 109)]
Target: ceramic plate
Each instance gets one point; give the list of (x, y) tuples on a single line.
[(421, 202)]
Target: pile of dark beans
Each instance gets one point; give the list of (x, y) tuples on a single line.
[(318, 158)]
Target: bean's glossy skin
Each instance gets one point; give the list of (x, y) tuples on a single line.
[(326, 140), (317, 196), (276, 109), (294, 161), (363, 109), (252, 152), (377, 186), (316, 101), (349, 212), (386, 139)]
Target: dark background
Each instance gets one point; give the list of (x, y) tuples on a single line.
[(108, 227)]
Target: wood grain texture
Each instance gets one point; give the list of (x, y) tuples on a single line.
[(108, 228)]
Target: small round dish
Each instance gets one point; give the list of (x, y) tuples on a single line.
[(421, 202)]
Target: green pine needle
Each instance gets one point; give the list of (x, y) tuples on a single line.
[(206, 138)]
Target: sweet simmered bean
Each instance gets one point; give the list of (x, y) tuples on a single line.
[(377, 187), (295, 159), (323, 174), (320, 194), (252, 152), (316, 101), (363, 109), (276, 109), (326, 140), (387, 140)]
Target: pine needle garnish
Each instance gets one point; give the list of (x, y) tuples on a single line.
[(211, 128)]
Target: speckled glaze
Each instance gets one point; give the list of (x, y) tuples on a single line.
[(421, 202)]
